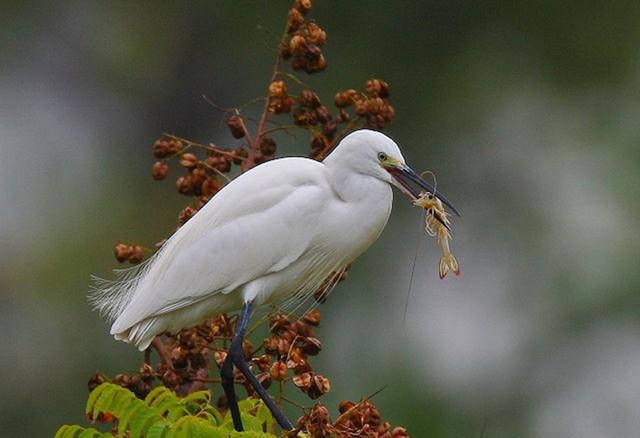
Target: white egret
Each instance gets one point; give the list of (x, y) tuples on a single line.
[(276, 231)]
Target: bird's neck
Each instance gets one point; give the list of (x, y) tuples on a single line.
[(357, 187)]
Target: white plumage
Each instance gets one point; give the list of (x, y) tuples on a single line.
[(275, 232)]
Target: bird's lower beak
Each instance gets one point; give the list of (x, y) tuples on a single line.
[(410, 183)]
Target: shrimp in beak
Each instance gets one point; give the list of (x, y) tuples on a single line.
[(437, 224), (406, 179)]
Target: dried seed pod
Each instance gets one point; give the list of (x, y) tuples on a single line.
[(279, 370), (316, 62), (283, 346), (329, 128), (308, 98), (303, 381), (264, 379), (136, 255), (277, 89), (188, 160), (343, 116), (312, 346), (295, 20), (323, 113), (377, 88), (185, 185), (361, 107), (178, 355), (171, 379), (298, 44), (271, 345), (219, 357), (198, 176), (278, 321), (303, 117), (175, 146), (267, 146), (345, 405), (346, 98), (239, 155), (160, 170), (161, 149), (320, 385), (186, 214), (210, 187), (263, 362), (399, 432), (312, 317), (303, 6), (301, 328), (96, 380), (316, 34), (235, 124), (122, 252)]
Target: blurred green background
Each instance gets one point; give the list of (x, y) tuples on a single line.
[(528, 113)]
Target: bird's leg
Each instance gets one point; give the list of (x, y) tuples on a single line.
[(235, 356)]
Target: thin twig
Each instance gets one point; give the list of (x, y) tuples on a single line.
[(162, 352), (280, 128), (211, 147), (253, 150), (207, 165), (294, 403)]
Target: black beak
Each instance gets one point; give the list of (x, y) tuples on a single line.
[(407, 180)]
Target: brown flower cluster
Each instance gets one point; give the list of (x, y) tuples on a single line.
[(205, 167), (125, 252), (373, 105), (305, 40), (355, 420), (291, 343)]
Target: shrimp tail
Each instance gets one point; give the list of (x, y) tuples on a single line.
[(448, 262)]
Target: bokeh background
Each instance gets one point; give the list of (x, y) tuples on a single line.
[(528, 113)]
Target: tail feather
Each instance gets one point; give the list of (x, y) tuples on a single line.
[(111, 297)]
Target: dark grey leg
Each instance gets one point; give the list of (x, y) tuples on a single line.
[(235, 356)]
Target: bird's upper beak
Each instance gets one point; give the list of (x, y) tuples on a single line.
[(410, 183)]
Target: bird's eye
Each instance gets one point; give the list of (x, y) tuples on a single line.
[(382, 156)]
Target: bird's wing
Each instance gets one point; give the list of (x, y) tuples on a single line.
[(259, 223)]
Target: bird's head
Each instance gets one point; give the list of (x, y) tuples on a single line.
[(374, 154)]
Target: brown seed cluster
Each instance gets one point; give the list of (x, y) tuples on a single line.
[(355, 420), (204, 167), (291, 343), (306, 38), (125, 252), (372, 106)]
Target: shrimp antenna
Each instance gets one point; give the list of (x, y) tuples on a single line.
[(435, 180)]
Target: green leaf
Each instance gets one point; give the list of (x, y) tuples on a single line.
[(94, 395), (250, 422), (264, 416), (67, 431), (157, 395), (157, 430), (104, 400), (90, 433), (142, 422), (200, 397), (133, 412)]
